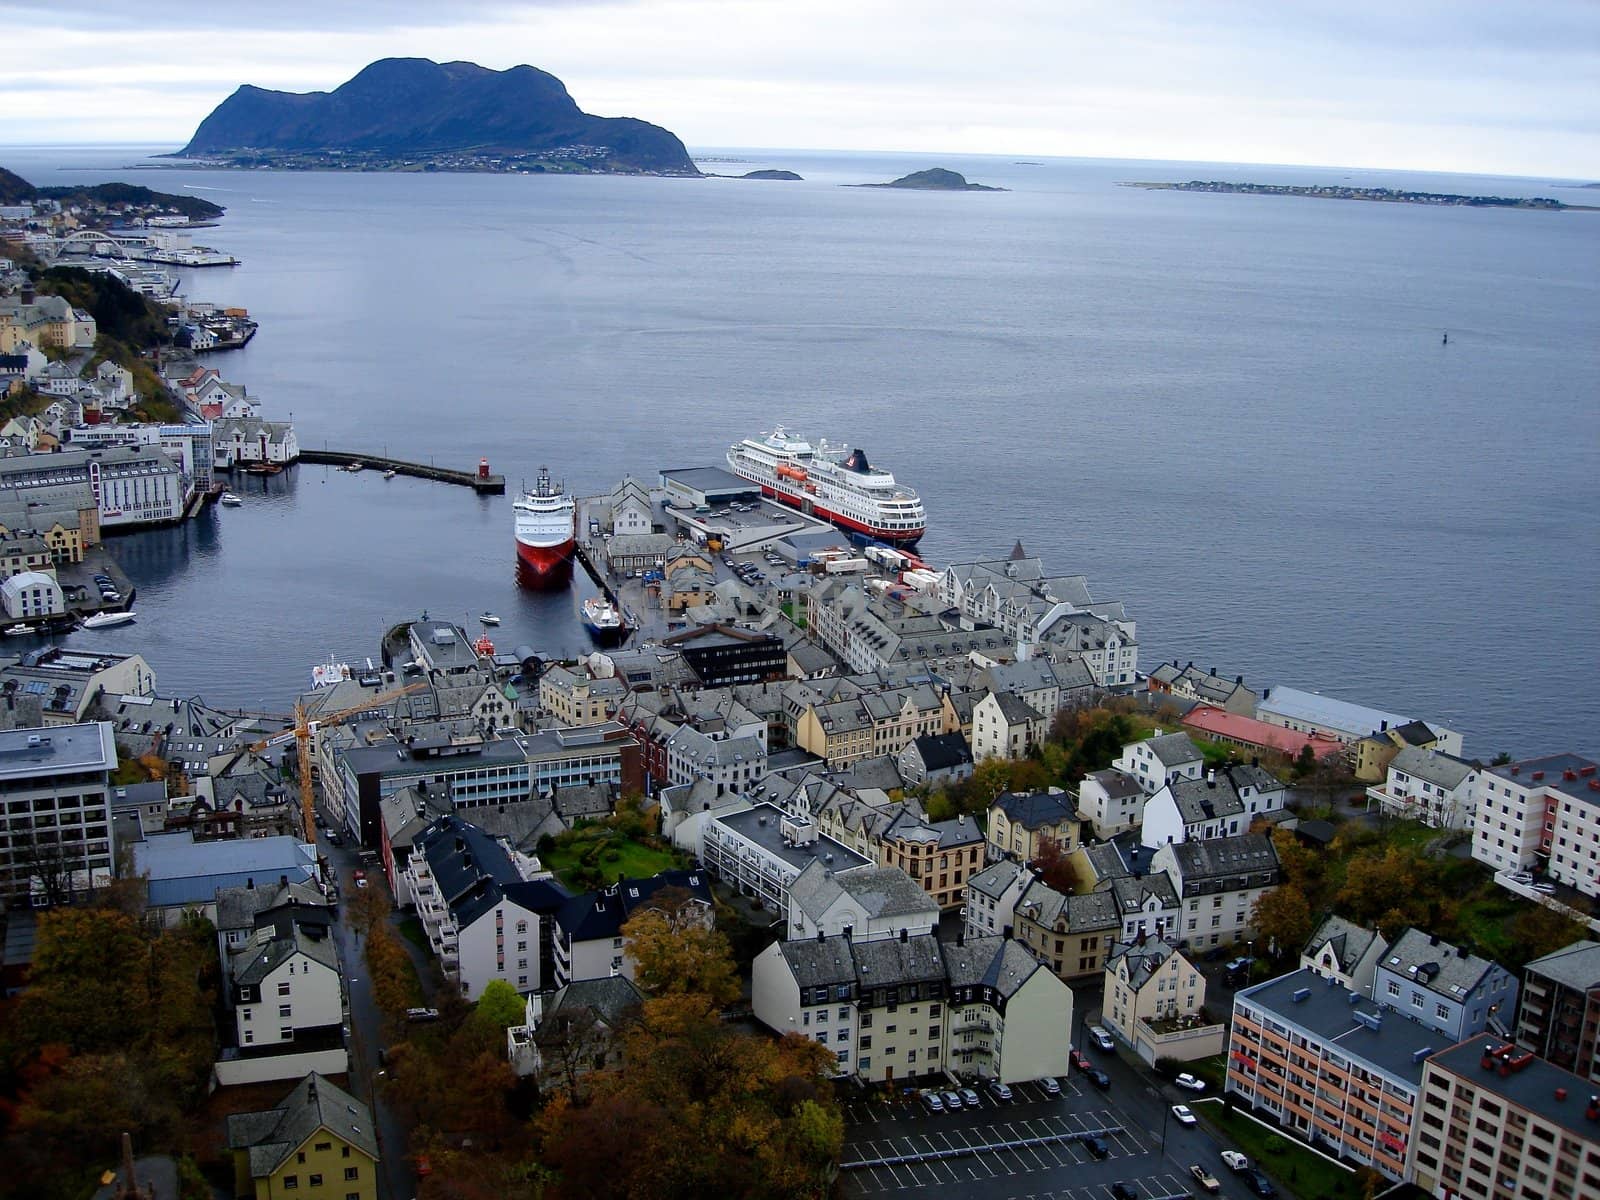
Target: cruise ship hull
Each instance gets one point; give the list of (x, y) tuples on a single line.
[(894, 537)]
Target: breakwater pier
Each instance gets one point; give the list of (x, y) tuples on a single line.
[(480, 481)]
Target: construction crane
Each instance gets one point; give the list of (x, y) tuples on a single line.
[(301, 733)]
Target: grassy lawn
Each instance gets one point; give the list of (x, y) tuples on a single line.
[(1294, 1168), (588, 857)]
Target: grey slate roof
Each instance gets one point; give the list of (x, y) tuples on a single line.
[(1440, 967), (1576, 966), (889, 962), (238, 907), (256, 964), (1035, 810), (1131, 891), (1117, 784), (1173, 749), (820, 962), (1349, 941), (995, 962), (469, 866), (608, 999), (1219, 858), (1446, 770), (272, 1136), (942, 751), (1143, 961), (881, 891), (994, 879), (1014, 710)]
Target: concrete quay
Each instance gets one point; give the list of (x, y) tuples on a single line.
[(483, 484)]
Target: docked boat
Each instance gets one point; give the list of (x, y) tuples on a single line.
[(105, 620), (17, 630), (262, 468), (390, 473), (488, 619), (832, 483), (230, 500), (329, 674), (354, 467), (602, 619), (546, 528)]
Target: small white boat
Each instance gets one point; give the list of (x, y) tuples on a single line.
[(488, 619), (353, 467), (230, 500), (17, 630), (105, 620), (390, 473)]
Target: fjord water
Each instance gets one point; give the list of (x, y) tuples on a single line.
[(1234, 413)]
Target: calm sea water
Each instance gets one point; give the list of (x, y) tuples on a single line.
[(1233, 413)]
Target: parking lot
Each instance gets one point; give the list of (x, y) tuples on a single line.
[(1028, 1146)]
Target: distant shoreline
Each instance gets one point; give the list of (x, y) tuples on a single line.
[(1371, 195)]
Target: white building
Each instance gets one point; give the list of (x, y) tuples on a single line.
[(588, 938), (239, 441), (1223, 804), (1158, 759), (761, 851), (1444, 987), (1542, 808), (733, 760), (992, 896), (905, 1006), (1110, 801), (1424, 785), (1218, 882), (287, 987), (1344, 952), (487, 910), (1005, 726), (31, 594), (863, 904), (1312, 712)]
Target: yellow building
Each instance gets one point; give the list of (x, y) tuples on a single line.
[(1372, 754), (1155, 1000), (1020, 821), (316, 1145)]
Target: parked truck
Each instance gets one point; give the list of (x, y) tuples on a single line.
[(845, 566)]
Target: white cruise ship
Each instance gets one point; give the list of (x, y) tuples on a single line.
[(832, 483), (545, 528)]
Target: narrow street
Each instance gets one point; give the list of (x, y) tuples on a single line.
[(366, 1029)]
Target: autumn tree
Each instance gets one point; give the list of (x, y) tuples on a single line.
[(368, 909), (1054, 865), (676, 950), (1282, 918), (1543, 929)]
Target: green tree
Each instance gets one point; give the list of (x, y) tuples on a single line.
[(499, 1006), (1543, 929)]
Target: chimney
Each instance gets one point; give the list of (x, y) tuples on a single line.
[(905, 935), (311, 1087), (283, 881), (821, 937), (27, 294), (1213, 672), (1211, 778), (250, 883), (961, 940), (1384, 727)]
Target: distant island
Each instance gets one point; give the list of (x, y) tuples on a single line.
[(769, 175), (14, 189), (419, 115), (1342, 192), (934, 179)]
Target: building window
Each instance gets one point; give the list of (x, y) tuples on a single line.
[(314, 1181), (352, 1173)]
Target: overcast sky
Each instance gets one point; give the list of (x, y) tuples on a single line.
[(1492, 86)]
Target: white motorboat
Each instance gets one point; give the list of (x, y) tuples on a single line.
[(230, 500), (105, 620)]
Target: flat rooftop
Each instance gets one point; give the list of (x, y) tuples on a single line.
[(1533, 1088), (709, 480), (57, 750), (1328, 1017), (763, 825)]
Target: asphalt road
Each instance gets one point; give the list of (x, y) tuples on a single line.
[(395, 1176)]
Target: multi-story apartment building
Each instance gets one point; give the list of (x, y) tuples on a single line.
[(286, 990), (68, 682), (911, 1005), (589, 943), (1004, 725), (1203, 687), (1155, 1001), (1330, 1066), (1559, 1017), (731, 759), (1020, 821), (761, 851), (56, 842), (1499, 1122), (1541, 808), (873, 723), (1159, 759), (863, 903), (1443, 986), (488, 912), (1111, 801), (1071, 935), (1218, 882), (940, 855), (578, 698)]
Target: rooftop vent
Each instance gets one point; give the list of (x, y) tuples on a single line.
[(1301, 995)]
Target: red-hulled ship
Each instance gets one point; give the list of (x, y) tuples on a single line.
[(546, 529), (828, 482)]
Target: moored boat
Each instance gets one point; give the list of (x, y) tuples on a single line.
[(832, 483), (602, 620), (545, 520), (17, 630), (488, 618), (230, 500), (105, 620)]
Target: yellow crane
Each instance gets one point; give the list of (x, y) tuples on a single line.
[(301, 733)]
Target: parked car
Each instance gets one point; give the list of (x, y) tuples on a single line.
[(1206, 1180), (1544, 889), (1522, 877), (1259, 1183), (1099, 1078), (1050, 1086), (1123, 1191), (1101, 1038), (931, 1102), (1096, 1146), (335, 837), (969, 1097), (1182, 1115), (952, 1101), (1190, 1083), (422, 1014), (1079, 1060), (1235, 1161), (999, 1091)]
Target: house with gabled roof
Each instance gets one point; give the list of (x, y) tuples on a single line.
[(1159, 758), (864, 903), (1222, 804), (319, 1141), (1344, 952)]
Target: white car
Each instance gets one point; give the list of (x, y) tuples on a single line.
[(1235, 1161), (1190, 1083), (1181, 1114), (1101, 1038)]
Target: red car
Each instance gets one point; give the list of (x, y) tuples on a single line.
[(1080, 1060)]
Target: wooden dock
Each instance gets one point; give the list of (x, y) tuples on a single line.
[(484, 485)]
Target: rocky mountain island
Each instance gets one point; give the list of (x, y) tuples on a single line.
[(934, 179), (416, 114)]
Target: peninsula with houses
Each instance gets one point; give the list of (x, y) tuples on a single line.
[(1337, 191)]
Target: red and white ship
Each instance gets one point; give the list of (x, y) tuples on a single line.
[(546, 527), (831, 482)]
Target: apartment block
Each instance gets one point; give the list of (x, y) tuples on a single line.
[(1541, 809), (56, 840), (1560, 1014), (1499, 1122)]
